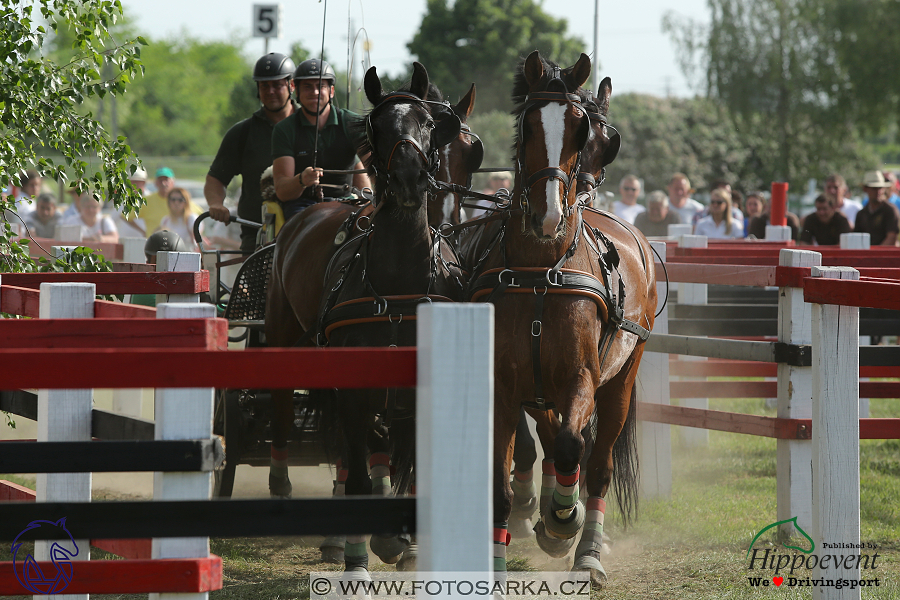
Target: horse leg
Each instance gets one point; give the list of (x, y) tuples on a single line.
[(614, 446), (332, 547), (282, 419), (564, 514), (506, 420), (356, 422), (524, 493), (389, 548)]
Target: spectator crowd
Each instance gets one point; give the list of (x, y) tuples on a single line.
[(728, 214)]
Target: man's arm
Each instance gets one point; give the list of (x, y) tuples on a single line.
[(890, 239), (289, 186), (214, 191), (361, 180)]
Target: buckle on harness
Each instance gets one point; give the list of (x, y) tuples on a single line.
[(512, 282), (555, 280), (380, 308), (536, 328)]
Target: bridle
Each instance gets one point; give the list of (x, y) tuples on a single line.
[(430, 160), (591, 182), (532, 101)]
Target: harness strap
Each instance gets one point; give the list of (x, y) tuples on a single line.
[(536, 331)]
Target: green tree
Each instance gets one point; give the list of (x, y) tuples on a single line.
[(40, 100), (772, 65), (481, 41), (178, 107)]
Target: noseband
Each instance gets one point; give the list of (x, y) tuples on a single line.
[(531, 102), (430, 160)]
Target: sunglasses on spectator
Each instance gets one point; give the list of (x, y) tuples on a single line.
[(176, 198), (717, 202), (630, 189)]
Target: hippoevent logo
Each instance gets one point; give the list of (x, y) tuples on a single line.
[(29, 572), (790, 565)]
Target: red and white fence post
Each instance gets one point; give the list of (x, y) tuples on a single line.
[(835, 428), (859, 241), (655, 439), (794, 457), (178, 262), (183, 414), (65, 415)]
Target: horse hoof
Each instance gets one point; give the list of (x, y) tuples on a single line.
[(522, 508), (410, 559), (332, 550), (389, 549), (520, 528), (568, 527), (279, 487), (552, 546), (589, 562)]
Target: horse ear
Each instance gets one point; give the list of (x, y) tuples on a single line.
[(419, 84), (603, 95), (534, 69), (612, 150), (580, 71), (464, 107), (446, 130), (372, 85)]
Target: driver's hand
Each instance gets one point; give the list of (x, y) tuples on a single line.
[(310, 177), (219, 213)]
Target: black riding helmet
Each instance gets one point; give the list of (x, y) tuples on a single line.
[(164, 241), (273, 66), (313, 69)]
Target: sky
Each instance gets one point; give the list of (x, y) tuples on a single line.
[(633, 50)]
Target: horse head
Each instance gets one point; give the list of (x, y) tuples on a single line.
[(403, 138), (459, 159), (552, 130), (601, 148)]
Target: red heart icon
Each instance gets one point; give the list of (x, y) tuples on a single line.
[(778, 580)]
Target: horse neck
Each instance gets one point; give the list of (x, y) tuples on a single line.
[(400, 248)]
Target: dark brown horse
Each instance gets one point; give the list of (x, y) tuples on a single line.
[(459, 159), (574, 301), (357, 279)]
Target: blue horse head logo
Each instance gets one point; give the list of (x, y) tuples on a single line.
[(29, 572)]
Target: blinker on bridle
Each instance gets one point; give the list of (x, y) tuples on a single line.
[(531, 102), (588, 178)]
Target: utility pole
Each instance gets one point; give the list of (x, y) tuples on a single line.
[(595, 84)]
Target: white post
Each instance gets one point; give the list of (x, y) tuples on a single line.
[(60, 251), (794, 457), (133, 250), (655, 439), (679, 229), (129, 401), (781, 233), (859, 241), (178, 262), (454, 437), (835, 429), (68, 233), (693, 294), (65, 416), (183, 414)]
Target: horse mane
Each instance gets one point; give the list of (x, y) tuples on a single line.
[(358, 128)]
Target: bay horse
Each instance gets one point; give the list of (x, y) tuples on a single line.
[(575, 302), (356, 277), (459, 159)]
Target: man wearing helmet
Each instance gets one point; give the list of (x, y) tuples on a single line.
[(247, 147), (293, 142)]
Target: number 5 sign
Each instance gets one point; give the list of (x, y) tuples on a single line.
[(267, 20)]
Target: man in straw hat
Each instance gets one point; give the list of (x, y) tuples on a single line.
[(498, 181), (878, 217)]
